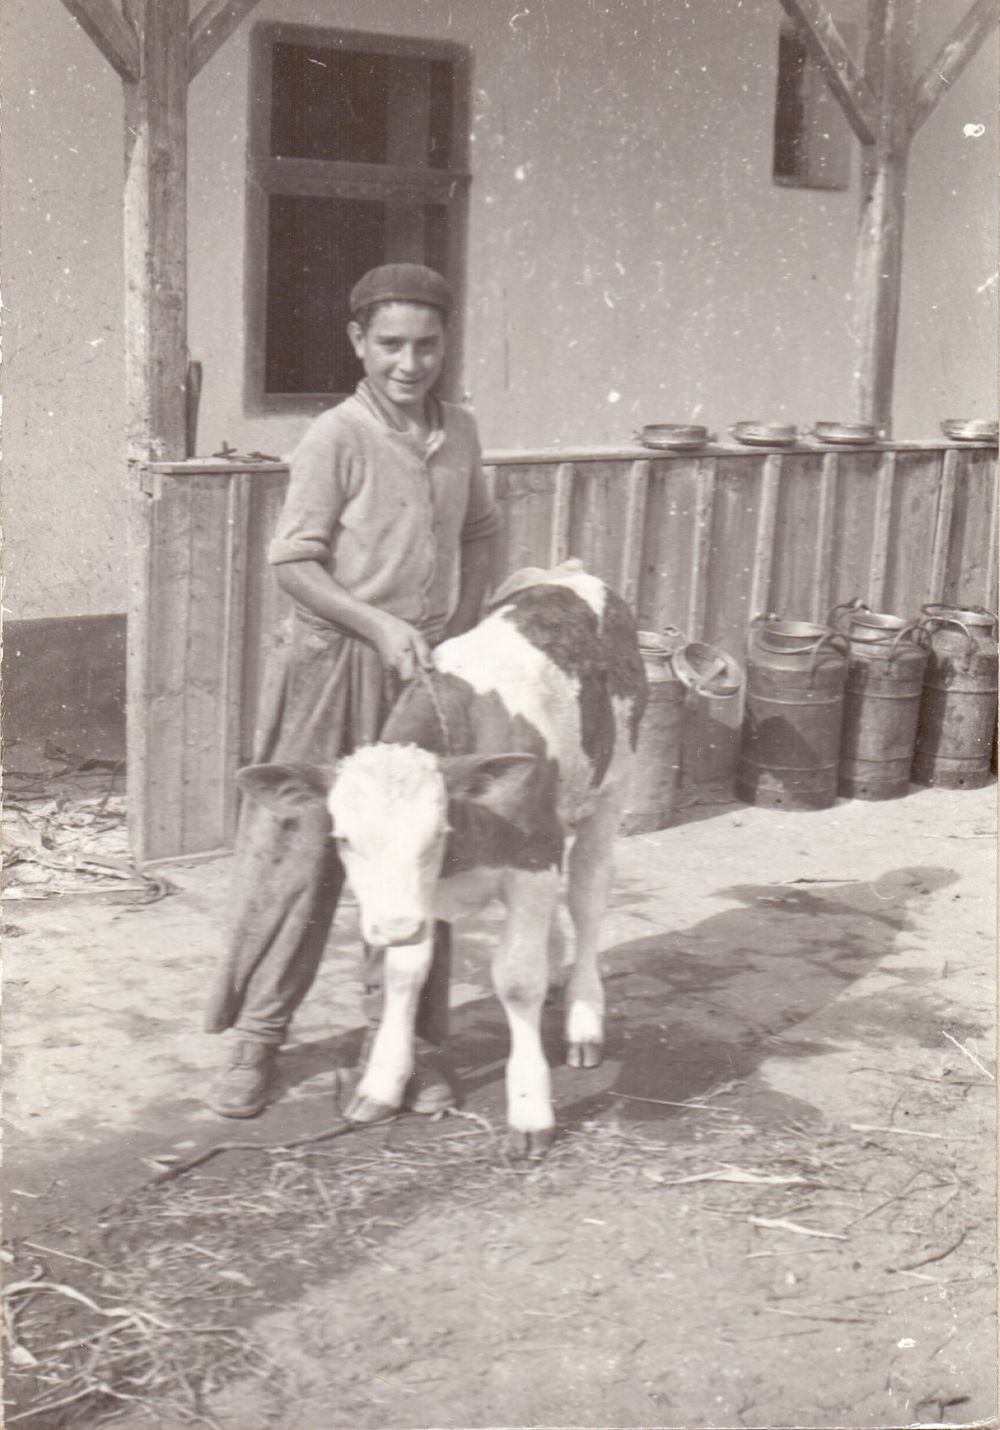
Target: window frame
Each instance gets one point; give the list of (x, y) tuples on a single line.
[(331, 178)]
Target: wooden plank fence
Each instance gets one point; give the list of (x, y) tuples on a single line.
[(702, 541)]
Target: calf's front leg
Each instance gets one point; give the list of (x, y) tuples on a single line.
[(390, 1062), (520, 977)]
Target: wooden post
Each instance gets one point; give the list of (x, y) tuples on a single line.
[(110, 32), (211, 28), (952, 58), (885, 110), (155, 47), (156, 357), (156, 232), (879, 263)]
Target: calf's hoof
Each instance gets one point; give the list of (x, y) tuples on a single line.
[(532, 1145), (368, 1109), (584, 1055)]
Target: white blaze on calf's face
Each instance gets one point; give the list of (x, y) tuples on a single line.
[(389, 809)]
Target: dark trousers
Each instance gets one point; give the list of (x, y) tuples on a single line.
[(324, 695)]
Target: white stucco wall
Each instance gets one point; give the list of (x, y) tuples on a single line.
[(625, 238), (947, 355), (61, 169), (625, 235)]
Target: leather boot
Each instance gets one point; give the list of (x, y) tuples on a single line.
[(244, 1087)]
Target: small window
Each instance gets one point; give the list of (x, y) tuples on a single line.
[(358, 149), (812, 139)]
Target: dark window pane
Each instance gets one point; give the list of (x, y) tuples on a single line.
[(317, 250), (329, 104), (789, 114), (440, 115), (812, 141)]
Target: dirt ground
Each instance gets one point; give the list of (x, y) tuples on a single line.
[(772, 1205)]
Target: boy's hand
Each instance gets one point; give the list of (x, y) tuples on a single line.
[(401, 647)]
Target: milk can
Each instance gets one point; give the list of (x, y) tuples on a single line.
[(792, 719), (673, 667), (958, 709), (887, 656)]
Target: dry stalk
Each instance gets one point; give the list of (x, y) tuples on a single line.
[(933, 1256), (971, 1056), (807, 1316), (911, 1132)]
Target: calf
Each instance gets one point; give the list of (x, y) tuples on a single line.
[(518, 744)]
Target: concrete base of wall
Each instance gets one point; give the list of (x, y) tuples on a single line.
[(64, 681)]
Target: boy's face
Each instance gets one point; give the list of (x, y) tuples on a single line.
[(402, 352)]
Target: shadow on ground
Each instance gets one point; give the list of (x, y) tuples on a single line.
[(687, 1010)]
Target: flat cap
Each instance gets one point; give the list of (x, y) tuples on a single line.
[(401, 283)]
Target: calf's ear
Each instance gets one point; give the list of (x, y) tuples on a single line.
[(287, 789), (496, 781)]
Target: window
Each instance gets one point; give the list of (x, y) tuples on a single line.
[(357, 157), (812, 139)]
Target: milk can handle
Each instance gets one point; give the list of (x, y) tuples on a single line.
[(693, 682), (921, 637), (837, 640), (698, 681), (855, 605), (979, 611), (936, 622), (675, 638)]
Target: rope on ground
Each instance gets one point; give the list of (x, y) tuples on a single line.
[(338, 1130)]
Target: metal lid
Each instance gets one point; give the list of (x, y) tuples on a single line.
[(969, 429), (673, 434), (660, 645), (708, 671), (651, 643), (875, 625), (968, 615), (777, 629), (765, 434), (862, 433)]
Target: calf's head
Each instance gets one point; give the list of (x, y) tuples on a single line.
[(391, 808)]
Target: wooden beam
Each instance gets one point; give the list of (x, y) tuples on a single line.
[(826, 46), (562, 512), (156, 233), (879, 263), (706, 474), (950, 469), (155, 357), (110, 32), (211, 28), (878, 276), (878, 558), (952, 58), (630, 574), (819, 585), (759, 597)]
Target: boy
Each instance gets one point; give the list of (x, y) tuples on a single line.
[(384, 547)]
